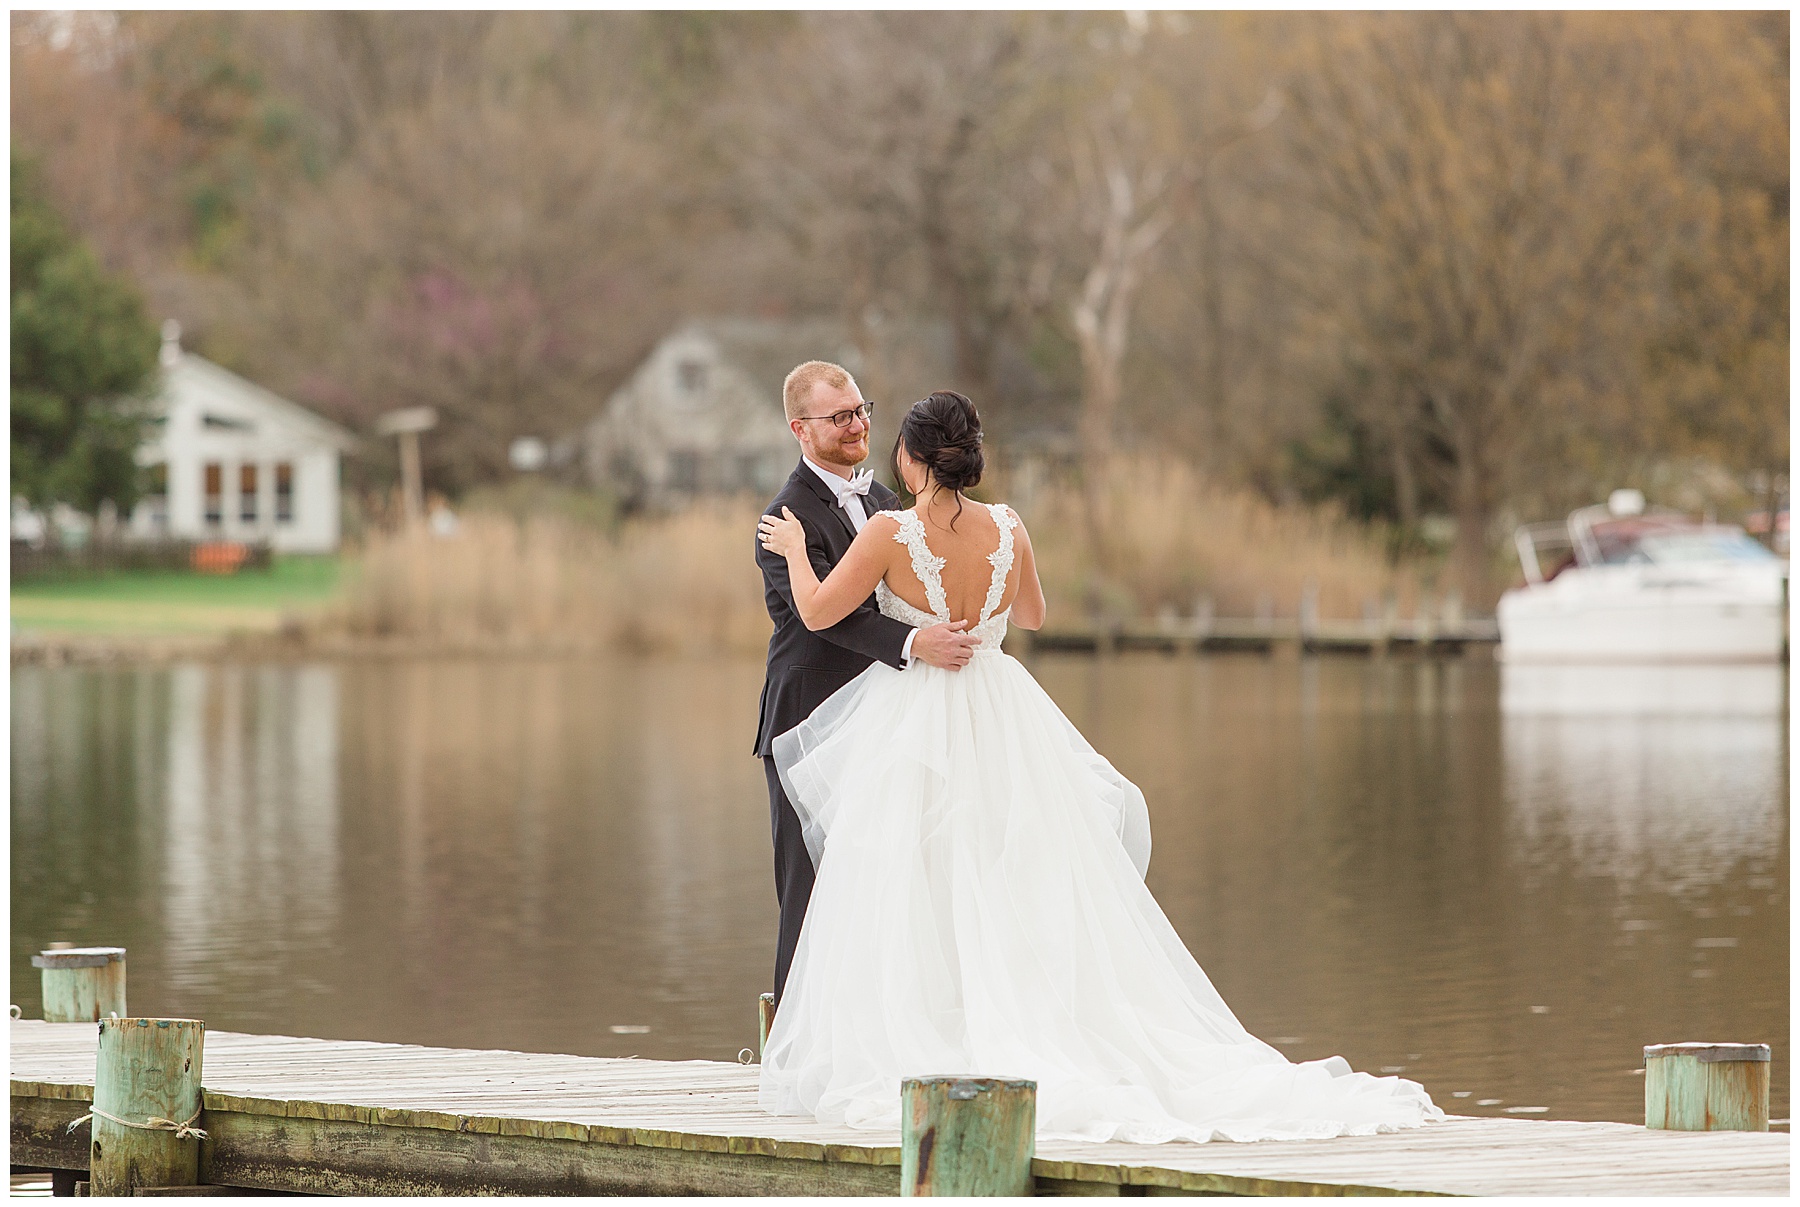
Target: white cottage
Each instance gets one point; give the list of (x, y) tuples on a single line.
[(228, 460), (702, 415)]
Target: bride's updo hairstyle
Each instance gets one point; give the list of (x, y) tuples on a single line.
[(943, 433)]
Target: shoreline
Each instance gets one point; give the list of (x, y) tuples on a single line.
[(65, 649), (293, 644)]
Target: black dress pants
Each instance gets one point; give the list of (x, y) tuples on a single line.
[(793, 874)]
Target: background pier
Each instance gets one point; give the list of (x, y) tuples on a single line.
[(1252, 635)]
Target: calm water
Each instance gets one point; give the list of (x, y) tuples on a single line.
[(1503, 883)]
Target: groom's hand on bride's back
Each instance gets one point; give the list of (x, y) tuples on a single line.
[(945, 645)]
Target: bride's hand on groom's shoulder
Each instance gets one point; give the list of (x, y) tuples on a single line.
[(783, 537)]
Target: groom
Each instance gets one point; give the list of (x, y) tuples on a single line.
[(829, 418)]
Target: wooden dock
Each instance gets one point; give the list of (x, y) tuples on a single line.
[(1182, 636), (347, 1117)]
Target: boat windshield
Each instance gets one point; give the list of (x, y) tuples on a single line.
[(1620, 542), (1703, 545), (1660, 536)]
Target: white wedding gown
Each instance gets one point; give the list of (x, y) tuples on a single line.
[(980, 909)]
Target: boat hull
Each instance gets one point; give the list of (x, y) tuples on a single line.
[(1631, 614)]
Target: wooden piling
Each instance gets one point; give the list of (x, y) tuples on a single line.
[(1308, 614), (147, 1074), (1202, 625), (82, 984), (1425, 624), (765, 1018), (967, 1136), (1707, 1087), (1390, 621)]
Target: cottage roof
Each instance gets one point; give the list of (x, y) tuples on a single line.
[(766, 349), (189, 374)]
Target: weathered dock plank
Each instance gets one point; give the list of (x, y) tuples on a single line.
[(355, 1117)]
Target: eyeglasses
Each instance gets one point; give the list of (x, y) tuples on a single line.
[(843, 418)]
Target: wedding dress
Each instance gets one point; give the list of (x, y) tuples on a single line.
[(980, 909)]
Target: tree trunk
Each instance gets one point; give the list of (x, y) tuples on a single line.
[(1099, 387), (949, 272), (1101, 315), (876, 381), (1099, 406), (1771, 500), (1469, 553), (1406, 483), (1212, 295)]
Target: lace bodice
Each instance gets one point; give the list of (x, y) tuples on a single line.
[(990, 630)]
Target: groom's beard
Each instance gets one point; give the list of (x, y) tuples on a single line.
[(845, 453)]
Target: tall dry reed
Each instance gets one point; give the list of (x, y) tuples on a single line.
[(1172, 537), (687, 582), (679, 583)]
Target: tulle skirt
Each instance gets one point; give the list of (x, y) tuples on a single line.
[(980, 909)]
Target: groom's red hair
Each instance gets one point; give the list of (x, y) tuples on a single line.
[(796, 391)]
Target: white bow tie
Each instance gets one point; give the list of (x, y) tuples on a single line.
[(858, 484)]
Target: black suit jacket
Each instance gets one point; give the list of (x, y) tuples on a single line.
[(805, 668)]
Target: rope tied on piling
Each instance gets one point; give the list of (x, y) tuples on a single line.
[(156, 1123)]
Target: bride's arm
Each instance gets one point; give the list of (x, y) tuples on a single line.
[(823, 604), (1028, 601)]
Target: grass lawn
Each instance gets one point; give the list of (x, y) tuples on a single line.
[(173, 602)]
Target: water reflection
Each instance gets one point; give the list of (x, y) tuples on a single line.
[(1673, 776), (1427, 866), (249, 834), (1643, 691)]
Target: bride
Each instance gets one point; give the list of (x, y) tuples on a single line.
[(980, 905)]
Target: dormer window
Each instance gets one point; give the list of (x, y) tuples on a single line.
[(226, 424), (690, 375), (684, 470)]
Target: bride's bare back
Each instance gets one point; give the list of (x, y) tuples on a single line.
[(967, 548), (965, 543)]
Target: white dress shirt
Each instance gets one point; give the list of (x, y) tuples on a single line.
[(849, 491), (851, 500)]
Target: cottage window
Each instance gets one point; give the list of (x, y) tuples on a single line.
[(156, 495), (691, 375), (284, 492), (756, 471), (684, 470), (215, 494), (621, 469), (247, 493)]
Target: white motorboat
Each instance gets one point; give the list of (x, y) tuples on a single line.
[(1626, 584)]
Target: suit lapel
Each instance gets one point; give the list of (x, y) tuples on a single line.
[(822, 492)]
